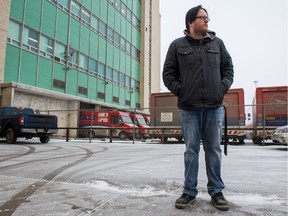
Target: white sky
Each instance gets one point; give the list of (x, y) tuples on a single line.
[(254, 32)]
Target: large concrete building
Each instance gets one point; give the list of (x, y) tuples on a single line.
[(67, 55)]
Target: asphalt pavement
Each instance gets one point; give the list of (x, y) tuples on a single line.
[(141, 178)]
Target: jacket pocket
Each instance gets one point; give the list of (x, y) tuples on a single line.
[(213, 55), (185, 57)]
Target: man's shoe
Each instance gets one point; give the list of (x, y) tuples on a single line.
[(184, 201), (219, 201)]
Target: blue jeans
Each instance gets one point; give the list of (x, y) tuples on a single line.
[(202, 124)]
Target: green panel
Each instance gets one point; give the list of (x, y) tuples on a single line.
[(102, 50), (128, 65), (96, 7), (84, 39), (28, 68), (92, 90), (116, 89), (116, 58), (108, 94), (48, 19), (74, 33), (62, 27), (111, 16), (45, 73), (123, 27), (72, 82), (117, 21), (122, 61), (101, 85), (94, 45), (33, 13), (121, 96), (129, 32), (86, 3), (110, 54), (11, 63), (82, 79), (103, 11), (59, 71), (17, 9)]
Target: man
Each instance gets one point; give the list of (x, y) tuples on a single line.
[(199, 70)]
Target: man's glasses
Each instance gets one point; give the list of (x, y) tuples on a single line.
[(204, 18)]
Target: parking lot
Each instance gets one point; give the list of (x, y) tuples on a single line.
[(144, 178)]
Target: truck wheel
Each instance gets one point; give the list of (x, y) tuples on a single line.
[(138, 136), (122, 136), (91, 134), (11, 136), (44, 139), (257, 140)]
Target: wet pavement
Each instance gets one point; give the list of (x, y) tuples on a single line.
[(144, 178)]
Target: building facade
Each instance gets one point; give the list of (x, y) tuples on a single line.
[(79, 54)]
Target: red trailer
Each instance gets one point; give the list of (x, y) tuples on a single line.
[(234, 103), (269, 111), (164, 113)]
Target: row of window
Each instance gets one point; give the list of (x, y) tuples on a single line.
[(86, 16), (100, 27), (50, 48)]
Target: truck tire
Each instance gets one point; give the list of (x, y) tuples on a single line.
[(11, 136), (122, 136), (91, 133), (44, 139)]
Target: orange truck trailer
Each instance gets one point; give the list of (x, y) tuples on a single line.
[(164, 114), (269, 111)]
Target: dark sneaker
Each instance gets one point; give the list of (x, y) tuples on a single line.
[(219, 201), (184, 201)]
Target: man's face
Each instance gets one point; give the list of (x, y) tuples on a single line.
[(200, 24)]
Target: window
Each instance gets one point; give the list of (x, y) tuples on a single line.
[(101, 69), (65, 4), (75, 7), (117, 38), (110, 34), (127, 81), (116, 76), (122, 43), (94, 22), (30, 39), (14, 32), (128, 47), (85, 15), (46, 45), (73, 58), (59, 52), (59, 84), (82, 90), (108, 73), (92, 66), (103, 28), (83, 61), (122, 79), (101, 95)]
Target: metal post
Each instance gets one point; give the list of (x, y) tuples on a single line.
[(264, 123), (67, 135)]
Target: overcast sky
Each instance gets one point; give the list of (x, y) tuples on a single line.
[(254, 32)]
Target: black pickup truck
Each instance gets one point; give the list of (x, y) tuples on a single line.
[(24, 122)]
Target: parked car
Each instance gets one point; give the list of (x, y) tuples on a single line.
[(280, 135), (24, 122)]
